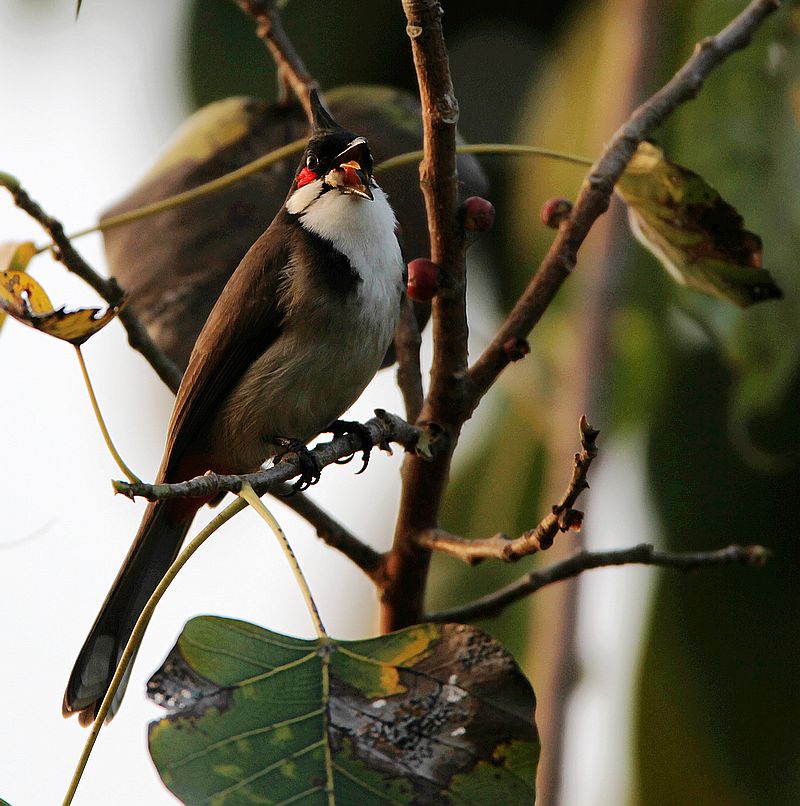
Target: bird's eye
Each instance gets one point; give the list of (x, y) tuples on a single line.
[(312, 163)]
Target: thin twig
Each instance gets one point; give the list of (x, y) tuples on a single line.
[(291, 70), (644, 554), (383, 428), (108, 289), (331, 531), (562, 518), (596, 192), (406, 348)]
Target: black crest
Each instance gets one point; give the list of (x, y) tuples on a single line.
[(322, 119)]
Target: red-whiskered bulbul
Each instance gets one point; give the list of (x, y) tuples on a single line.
[(296, 335)]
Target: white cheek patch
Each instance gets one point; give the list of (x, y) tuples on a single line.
[(302, 197)]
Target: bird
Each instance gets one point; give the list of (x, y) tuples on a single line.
[(296, 335)]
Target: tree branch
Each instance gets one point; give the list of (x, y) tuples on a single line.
[(332, 532), (108, 289), (291, 70), (406, 348), (643, 554), (562, 518), (598, 186), (405, 569), (382, 429)]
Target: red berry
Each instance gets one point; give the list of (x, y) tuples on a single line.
[(478, 214), (554, 211), (423, 279)]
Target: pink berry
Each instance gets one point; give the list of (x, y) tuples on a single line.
[(423, 279), (478, 214)]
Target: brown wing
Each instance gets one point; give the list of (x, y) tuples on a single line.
[(245, 320)]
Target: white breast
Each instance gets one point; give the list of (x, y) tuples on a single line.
[(364, 232)]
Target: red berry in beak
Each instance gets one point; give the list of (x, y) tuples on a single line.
[(423, 279), (478, 214)]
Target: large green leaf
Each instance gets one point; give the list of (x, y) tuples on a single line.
[(430, 714)]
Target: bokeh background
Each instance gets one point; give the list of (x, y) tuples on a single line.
[(653, 687)]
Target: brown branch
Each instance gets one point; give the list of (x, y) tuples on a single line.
[(406, 347), (455, 391), (562, 518), (291, 70), (643, 554), (108, 289), (405, 570), (383, 429), (596, 192), (332, 532)]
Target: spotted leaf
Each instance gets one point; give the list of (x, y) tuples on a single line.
[(430, 714)]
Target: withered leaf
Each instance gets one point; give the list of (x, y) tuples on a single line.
[(696, 235), (15, 255), (429, 714), (26, 301)]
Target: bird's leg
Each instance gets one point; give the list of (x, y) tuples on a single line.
[(340, 428), (310, 468)]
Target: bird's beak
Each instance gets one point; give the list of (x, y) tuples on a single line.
[(349, 173)]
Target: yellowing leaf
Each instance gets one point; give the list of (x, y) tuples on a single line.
[(24, 299), (15, 256), (698, 237)]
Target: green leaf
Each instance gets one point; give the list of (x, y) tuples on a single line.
[(429, 714), (692, 230)]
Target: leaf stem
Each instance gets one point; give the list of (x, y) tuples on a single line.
[(488, 149), (131, 476), (136, 638), (248, 494), (295, 147), (179, 199)]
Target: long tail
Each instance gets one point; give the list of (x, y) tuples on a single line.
[(155, 547)]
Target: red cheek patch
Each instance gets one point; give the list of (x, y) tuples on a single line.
[(305, 176)]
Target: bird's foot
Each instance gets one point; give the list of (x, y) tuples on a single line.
[(310, 468), (340, 428)]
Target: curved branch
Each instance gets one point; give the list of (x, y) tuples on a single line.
[(598, 186), (562, 518), (644, 554), (291, 70)]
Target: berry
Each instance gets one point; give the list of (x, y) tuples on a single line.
[(423, 279), (478, 214)]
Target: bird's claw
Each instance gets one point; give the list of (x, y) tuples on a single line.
[(310, 469), (340, 428)]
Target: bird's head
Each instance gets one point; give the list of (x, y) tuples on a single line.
[(335, 160)]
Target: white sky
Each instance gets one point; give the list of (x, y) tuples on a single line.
[(86, 108)]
